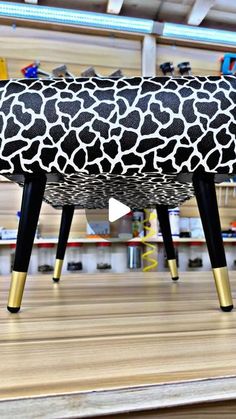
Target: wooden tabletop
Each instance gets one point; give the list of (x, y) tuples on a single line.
[(109, 343)]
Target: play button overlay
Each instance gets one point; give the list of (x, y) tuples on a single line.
[(103, 222), (117, 210)]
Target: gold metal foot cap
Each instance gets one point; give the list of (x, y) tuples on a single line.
[(16, 290), (57, 270), (223, 288), (173, 269)]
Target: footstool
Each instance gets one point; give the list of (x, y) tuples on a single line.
[(147, 142)]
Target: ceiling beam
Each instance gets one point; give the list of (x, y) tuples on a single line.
[(114, 6), (149, 53), (199, 11)]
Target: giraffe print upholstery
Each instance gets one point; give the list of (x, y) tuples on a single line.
[(130, 138)]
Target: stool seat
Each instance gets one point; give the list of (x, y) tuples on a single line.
[(140, 128), (153, 141)]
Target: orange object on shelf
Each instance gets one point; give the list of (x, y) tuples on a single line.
[(3, 69), (98, 236), (233, 225)]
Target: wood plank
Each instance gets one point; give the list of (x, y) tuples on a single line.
[(217, 409), (199, 11), (77, 51), (114, 6), (149, 56), (110, 343)]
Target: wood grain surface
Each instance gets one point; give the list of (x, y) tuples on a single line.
[(99, 344), (204, 410)]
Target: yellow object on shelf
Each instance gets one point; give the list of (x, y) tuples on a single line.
[(3, 69), (150, 232)]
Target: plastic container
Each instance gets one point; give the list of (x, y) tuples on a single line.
[(103, 255), (183, 256), (196, 227), (46, 256), (161, 258), (74, 255), (230, 253), (125, 226), (184, 227), (33, 265), (174, 221), (153, 222), (195, 255), (137, 223), (12, 255), (134, 255)]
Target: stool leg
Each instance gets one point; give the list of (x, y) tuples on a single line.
[(207, 203), (33, 192), (163, 217), (66, 220)]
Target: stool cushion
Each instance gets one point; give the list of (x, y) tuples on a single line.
[(130, 126)]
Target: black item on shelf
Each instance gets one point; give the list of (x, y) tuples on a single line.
[(89, 72), (45, 268), (103, 266), (185, 234), (195, 263), (74, 266), (117, 73), (167, 68), (184, 68)]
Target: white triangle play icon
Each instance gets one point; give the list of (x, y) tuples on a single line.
[(117, 209)]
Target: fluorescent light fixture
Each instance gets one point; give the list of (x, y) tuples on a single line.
[(75, 17), (217, 36)]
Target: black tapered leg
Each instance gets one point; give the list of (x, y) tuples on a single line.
[(163, 217), (207, 203), (33, 192), (66, 220)]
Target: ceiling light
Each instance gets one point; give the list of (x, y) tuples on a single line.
[(75, 17), (218, 36)]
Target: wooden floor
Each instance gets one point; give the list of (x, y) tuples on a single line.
[(106, 344)]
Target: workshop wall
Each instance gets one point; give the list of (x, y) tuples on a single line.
[(21, 46)]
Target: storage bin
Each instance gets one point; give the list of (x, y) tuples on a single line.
[(230, 253), (125, 226), (183, 256), (137, 223), (174, 221), (195, 255), (74, 255), (103, 256), (134, 255), (46, 256)]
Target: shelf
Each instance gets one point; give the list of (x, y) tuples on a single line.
[(117, 240), (226, 185)]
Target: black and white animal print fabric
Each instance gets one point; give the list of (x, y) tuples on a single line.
[(139, 190), (128, 127)]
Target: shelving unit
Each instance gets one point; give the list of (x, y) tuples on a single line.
[(117, 240), (226, 185)]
